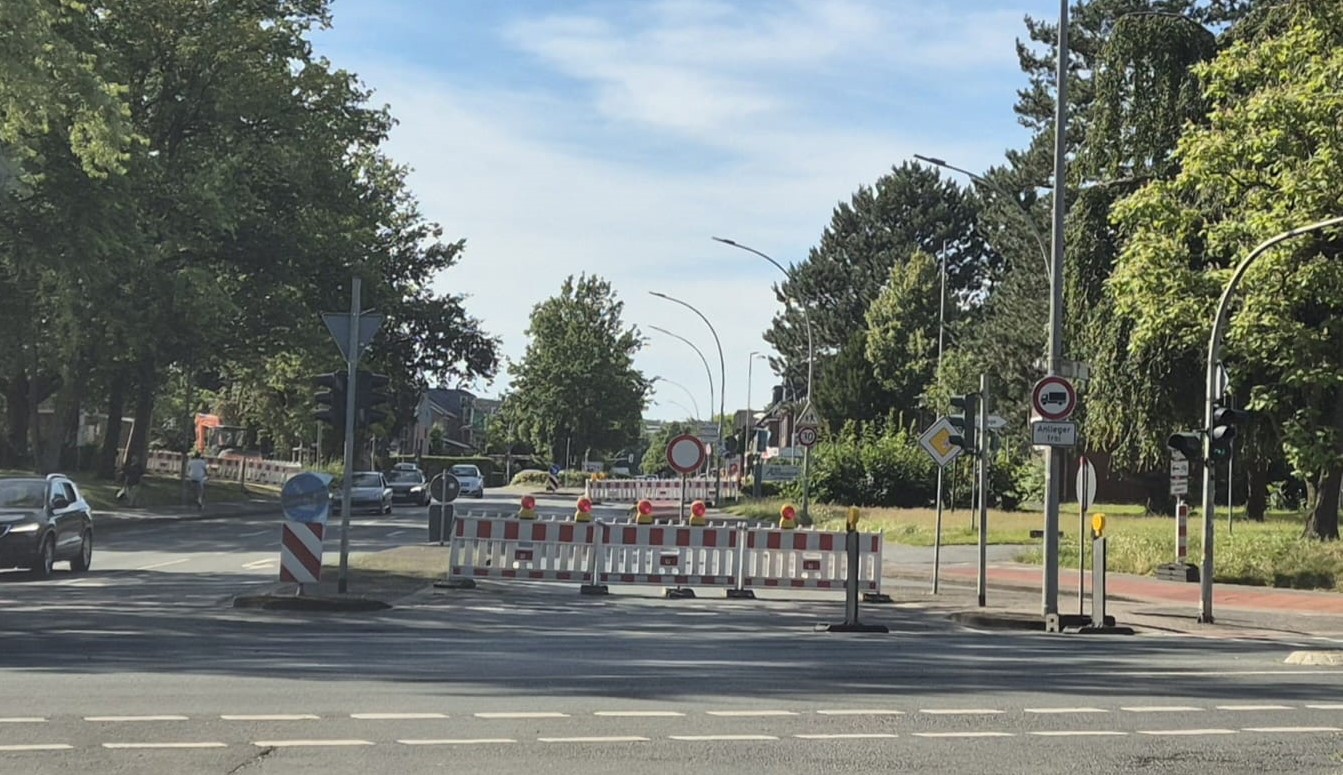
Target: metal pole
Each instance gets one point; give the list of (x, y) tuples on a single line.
[(941, 327), (1053, 480), (351, 384), (985, 406), (1081, 531), (680, 513), (748, 440), (937, 533), (1230, 467)]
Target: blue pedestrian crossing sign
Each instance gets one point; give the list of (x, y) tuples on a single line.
[(306, 497)]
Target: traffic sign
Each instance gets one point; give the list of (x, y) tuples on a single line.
[(1054, 398), (1053, 434), (306, 497), (685, 454), (996, 422), (1179, 468), (338, 323), (445, 488), (1179, 485), (936, 441), (708, 433), (806, 436), (1086, 483), (808, 418)]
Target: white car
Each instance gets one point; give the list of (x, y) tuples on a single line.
[(473, 483)]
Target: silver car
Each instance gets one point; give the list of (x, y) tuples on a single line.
[(473, 483), (369, 492)]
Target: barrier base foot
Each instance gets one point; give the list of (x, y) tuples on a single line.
[(857, 627), (678, 593), (741, 594), (1052, 623), (876, 597), (455, 584), (594, 589)]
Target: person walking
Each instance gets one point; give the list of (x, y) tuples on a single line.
[(198, 472), (131, 474)]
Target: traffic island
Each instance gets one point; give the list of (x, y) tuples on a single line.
[(322, 603), (1316, 658)]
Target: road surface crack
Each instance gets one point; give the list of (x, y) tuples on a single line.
[(267, 751)]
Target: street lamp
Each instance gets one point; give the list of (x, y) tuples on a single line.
[(811, 362), (689, 394), (707, 371), (995, 188), (722, 392)]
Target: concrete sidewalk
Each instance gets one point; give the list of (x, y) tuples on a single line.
[(124, 517)]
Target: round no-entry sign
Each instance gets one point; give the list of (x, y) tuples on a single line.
[(1054, 398), (685, 454)]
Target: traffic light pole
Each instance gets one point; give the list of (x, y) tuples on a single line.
[(985, 406), (352, 387)]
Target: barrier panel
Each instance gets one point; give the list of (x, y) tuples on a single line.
[(504, 548), (654, 554), (233, 468), (807, 559), (634, 490)]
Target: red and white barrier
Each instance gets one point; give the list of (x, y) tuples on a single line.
[(684, 556), (634, 490), (233, 468), (808, 559), (301, 552), (504, 548), (1181, 532)]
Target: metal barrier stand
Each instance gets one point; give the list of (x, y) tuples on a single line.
[(851, 622)]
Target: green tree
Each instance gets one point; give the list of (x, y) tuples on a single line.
[(849, 390), (576, 387), (902, 330)]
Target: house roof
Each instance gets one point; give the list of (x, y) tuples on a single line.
[(449, 400)]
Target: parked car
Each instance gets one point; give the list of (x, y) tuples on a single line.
[(369, 492), (408, 486), (44, 521), (471, 480)]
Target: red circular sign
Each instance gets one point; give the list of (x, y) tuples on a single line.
[(685, 454), (1054, 398)]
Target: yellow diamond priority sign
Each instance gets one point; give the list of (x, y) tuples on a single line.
[(936, 441)]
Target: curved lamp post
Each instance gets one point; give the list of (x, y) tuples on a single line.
[(707, 371), (1214, 357), (722, 392), (811, 364), (696, 416)]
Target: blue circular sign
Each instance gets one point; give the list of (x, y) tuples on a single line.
[(306, 498)]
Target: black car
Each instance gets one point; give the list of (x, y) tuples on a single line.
[(42, 522), (408, 486)]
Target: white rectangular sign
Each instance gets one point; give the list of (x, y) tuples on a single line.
[(1179, 485), (1179, 468), (1046, 433)]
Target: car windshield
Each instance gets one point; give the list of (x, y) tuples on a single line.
[(22, 494), (465, 471), (412, 477), (367, 480)]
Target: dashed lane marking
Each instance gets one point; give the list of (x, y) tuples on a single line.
[(722, 738), (861, 712), (135, 718), (850, 736), (1327, 706), (1080, 733), (638, 713), (1186, 732), (524, 714), (1292, 729), (1254, 707), (37, 747), (257, 564), (308, 743), (963, 734), (960, 711), (750, 713), (468, 741), (270, 717), (164, 564), (612, 739), (395, 716), (1161, 709), (133, 746), (1065, 710), (22, 720)]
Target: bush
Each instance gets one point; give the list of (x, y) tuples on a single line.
[(536, 478), (866, 468)]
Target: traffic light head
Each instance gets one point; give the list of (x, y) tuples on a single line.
[(1223, 432), (963, 420), (330, 398), (1188, 444), (372, 397), (730, 445)]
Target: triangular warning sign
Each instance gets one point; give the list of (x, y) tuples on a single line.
[(808, 418)]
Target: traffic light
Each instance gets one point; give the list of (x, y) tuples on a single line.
[(730, 445), (1187, 443), (1223, 432), (964, 421), (330, 399), (372, 398)]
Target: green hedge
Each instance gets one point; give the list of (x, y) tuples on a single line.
[(537, 478)]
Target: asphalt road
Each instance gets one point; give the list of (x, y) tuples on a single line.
[(141, 666)]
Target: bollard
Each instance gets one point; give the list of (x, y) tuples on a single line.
[(851, 622)]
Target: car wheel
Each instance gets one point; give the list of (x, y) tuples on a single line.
[(45, 559), (81, 562)]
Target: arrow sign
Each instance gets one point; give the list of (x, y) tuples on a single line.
[(338, 323), (996, 423)]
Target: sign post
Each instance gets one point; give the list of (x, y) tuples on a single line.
[(443, 490), (1086, 495), (808, 419), (685, 455), (936, 441), (1054, 400)]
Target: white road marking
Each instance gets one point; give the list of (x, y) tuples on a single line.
[(307, 743), (1066, 710), (254, 534), (256, 564), (1161, 709), (959, 711), (750, 713), (1254, 707), (395, 533), (721, 738), (164, 564), (164, 745), (271, 717), (523, 714), (616, 739), (638, 713), (851, 736), (37, 747), (1186, 731), (964, 734), (1292, 729), (1326, 706), (396, 716), (135, 718), (22, 720), (475, 741), (859, 712), (1079, 733)]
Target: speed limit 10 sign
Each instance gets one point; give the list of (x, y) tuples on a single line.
[(806, 437)]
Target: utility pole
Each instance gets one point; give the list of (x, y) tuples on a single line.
[(352, 380)]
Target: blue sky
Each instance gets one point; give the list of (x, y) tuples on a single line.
[(616, 137)]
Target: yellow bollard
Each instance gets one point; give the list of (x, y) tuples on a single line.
[(1097, 525), (851, 524)]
